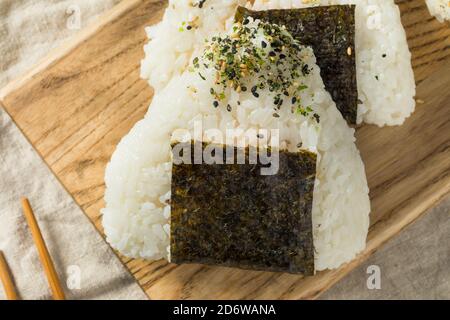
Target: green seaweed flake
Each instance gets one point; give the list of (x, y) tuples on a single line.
[(257, 50)]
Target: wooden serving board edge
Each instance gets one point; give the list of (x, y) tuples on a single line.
[(384, 231), (67, 46)]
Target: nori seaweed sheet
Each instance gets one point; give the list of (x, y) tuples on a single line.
[(330, 31), (231, 215)]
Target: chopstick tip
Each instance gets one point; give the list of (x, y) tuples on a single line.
[(24, 201)]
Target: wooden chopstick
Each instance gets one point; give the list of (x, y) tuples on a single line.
[(49, 268), (5, 277)]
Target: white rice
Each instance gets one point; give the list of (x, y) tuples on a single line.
[(386, 85), (136, 218), (439, 8)]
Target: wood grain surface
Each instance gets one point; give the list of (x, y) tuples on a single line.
[(81, 100)]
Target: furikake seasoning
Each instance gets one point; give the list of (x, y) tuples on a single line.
[(256, 56), (231, 215), (330, 31), (199, 3)]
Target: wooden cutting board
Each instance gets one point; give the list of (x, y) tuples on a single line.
[(77, 104)]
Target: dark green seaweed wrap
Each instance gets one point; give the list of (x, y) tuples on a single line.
[(330, 31), (231, 215)]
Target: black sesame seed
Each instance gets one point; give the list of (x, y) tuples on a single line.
[(243, 88), (299, 145), (215, 104), (272, 54), (276, 115), (294, 100), (384, 55), (200, 4), (317, 117), (263, 44), (228, 108), (189, 27), (246, 21), (305, 69), (282, 56), (255, 94)]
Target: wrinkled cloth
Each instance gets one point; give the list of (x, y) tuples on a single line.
[(413, 265), (87, 266)]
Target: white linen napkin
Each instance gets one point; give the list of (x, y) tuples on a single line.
[(87, 266)]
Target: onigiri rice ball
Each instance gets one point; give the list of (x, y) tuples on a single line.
[(136, 218), (386, 85)]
